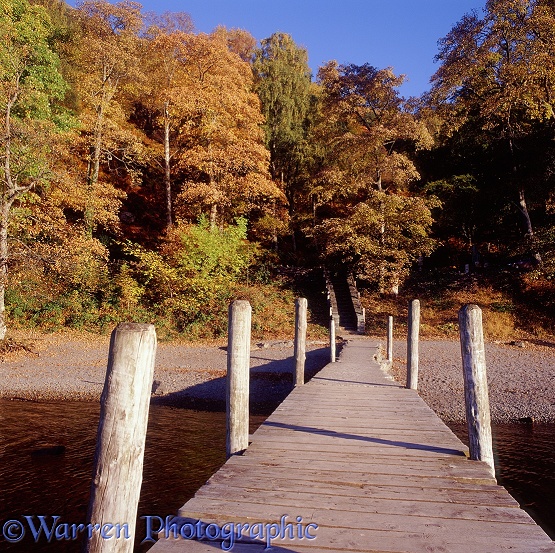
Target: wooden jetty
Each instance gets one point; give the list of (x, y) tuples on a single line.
[(371, 465)]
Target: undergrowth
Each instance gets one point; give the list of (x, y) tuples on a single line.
[(514, 306), (273, 311)]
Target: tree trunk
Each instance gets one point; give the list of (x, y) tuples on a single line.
[(394, 290), (382, 283), (528, 223), (521, 195), (213, 216), (525, 214), (8, 193), (4, 217), (94, 168), (167, 166)]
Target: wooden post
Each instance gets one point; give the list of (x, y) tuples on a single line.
[(301, 306), (476, 385), (118, 460), (238, 368), (412, 344), (332, 337), (390, 339)]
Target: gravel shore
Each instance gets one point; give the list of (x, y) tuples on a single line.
[(521, 379), (71, 369)]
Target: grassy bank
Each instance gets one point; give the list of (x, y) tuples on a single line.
[(515, 306)]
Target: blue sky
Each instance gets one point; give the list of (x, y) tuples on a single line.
[(402, 34)]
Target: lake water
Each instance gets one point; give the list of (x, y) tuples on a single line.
[(525, 465), (183, 449)]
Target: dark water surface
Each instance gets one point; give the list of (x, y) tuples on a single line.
[(39, 477), (525, 465), (183, 449)]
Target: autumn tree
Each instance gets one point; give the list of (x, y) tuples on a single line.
[(497, 74), (107, 58), (221, 141), (368, 218), (167, 62), (239, 41), (30, 82), (380, 238)]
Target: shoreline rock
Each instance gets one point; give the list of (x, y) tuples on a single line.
[(184, 376)]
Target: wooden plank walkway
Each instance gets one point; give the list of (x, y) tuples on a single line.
[(369, 463)]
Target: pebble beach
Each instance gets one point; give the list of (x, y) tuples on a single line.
[(521, 379)]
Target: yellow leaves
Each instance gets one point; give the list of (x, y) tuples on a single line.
[(398, 170), (500, 67), (80, 261), (380, 237), (216, 121), (366, 120)]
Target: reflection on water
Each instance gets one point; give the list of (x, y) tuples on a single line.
[(525, 465), (46, 454)]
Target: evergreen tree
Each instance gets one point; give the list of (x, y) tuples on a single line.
[(282, 80)]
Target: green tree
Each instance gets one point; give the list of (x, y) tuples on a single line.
[(283, 84), (30, 83), (194, 274)]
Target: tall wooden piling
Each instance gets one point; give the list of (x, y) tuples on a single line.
[(412, 344), (332, 337), (301, 307), (238, 368), (390, 339), (476, 385), (118, 460)]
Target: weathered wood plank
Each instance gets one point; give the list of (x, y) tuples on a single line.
[(483, 495), (431, 436), (513, 527), (372, 466), (419, 504), (356, 479), (361, 468), (360, 443), (431, 539), (349, 458), (171, 545)]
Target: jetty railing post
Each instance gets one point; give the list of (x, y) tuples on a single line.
[(118, 460), (238, 367), (390, 339), (301, 307), (412, 344), (332, 336), (476, 385)]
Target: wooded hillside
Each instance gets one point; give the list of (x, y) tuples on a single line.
[(152, 172)]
